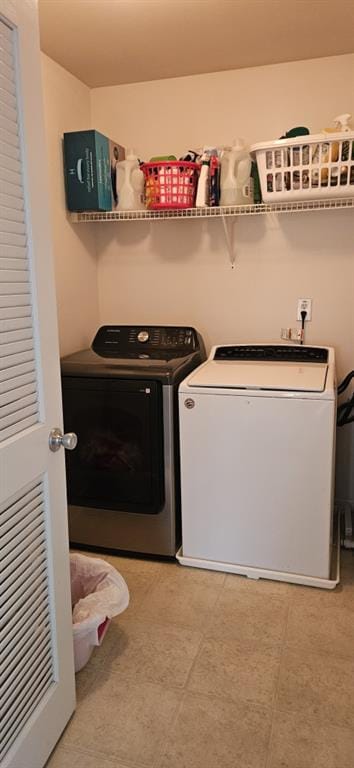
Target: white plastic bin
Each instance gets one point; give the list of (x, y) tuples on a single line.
[(306, 167), (98, 593)]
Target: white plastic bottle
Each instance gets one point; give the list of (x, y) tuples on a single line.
[(235, 186), (202, 197), (130, 184)]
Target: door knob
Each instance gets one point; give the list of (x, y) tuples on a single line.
[(57, 439)]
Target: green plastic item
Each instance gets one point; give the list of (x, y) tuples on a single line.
[(299, 131), (162, 159)]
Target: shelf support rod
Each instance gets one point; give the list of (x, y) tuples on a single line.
[(228, 223)]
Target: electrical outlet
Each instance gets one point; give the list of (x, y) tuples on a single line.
[(290, 334), (304, 304)]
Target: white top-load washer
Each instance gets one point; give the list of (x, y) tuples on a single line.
[(257, 438)]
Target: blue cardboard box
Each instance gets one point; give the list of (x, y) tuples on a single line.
[(90, 160)]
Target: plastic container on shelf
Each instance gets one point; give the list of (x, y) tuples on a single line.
[(130, 184), (306, 168), (170, 185), (235, 180), (202, 196)]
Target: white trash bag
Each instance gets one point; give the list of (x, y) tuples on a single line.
[(98, 592)]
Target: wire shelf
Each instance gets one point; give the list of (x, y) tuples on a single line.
[(217, 212)]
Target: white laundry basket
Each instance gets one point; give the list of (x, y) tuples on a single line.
[(306, 167), (98, 592)]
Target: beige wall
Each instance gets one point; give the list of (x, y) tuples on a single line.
[(179, 271), (67, 108)]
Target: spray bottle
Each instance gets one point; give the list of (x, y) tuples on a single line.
[(202, 197), (333, 152)]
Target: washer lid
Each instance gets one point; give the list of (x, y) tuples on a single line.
[(278, 376)]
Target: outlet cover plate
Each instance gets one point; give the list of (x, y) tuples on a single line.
[(304, 304)]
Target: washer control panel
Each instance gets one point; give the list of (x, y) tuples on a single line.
[(279, 353)]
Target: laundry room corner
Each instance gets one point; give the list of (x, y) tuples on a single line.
[(179, 268), (66, 102), (176, 384), (174, 270)]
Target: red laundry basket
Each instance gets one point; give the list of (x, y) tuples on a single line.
[(170, 184)]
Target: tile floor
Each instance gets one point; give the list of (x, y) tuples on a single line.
[(207, 670)]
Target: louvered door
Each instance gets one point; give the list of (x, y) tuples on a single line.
[(36, 666)]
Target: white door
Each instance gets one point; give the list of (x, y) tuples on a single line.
[(36, 660)]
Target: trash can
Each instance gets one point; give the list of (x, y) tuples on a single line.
[(98, 593)]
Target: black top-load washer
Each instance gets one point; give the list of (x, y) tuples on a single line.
[(120, 397)]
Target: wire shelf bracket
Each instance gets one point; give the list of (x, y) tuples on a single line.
[(228, 224)]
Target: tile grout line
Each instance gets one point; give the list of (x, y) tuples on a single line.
[(202, 639), (164, 741), (267, 763), (307, 651), (97, 754), (184, 690), (203, 631), (312, 718)]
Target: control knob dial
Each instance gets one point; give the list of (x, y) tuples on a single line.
[(143, 336)]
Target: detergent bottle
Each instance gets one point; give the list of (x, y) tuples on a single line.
[(235, 181), (130, 184)]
